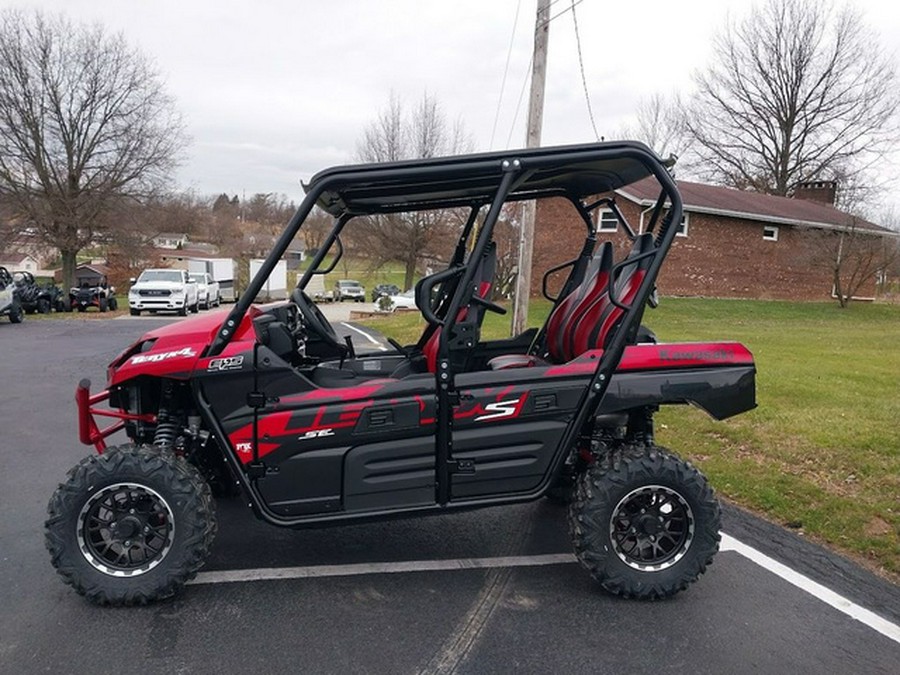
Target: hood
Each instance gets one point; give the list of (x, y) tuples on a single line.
[(174, 350)]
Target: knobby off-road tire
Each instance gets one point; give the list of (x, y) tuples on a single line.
[(130, 526), (16, 313), (644, 523)]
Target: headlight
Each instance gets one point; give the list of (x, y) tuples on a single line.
[(178, 293)]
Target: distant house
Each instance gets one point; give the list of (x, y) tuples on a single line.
[(295, 255), (730, 243), (91, 273), (172, 258), (170, 240), (23, 262)]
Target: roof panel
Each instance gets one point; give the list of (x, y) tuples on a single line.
[(576, 170)]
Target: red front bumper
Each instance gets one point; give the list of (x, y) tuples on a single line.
[(89, 432)]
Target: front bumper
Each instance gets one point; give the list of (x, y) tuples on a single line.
[(157, 303), (89, 432)]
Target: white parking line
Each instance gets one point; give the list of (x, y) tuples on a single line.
[(365, 335), (316, 571), (729, 543), (826, 595)]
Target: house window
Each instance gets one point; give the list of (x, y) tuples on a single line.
[(608, 221), (770, 233), (682, 230)]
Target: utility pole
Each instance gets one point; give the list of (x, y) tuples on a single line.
[(532, 140)]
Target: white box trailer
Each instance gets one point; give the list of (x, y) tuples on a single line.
[(220, 269), (276, 285)]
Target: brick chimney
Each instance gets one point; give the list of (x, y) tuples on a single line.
[(822, 191)]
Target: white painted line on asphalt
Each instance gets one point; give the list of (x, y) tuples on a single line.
[(365, 335), (826, 595), (317, 571), (729, 543)]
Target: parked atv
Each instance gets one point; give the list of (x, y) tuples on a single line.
[(270, 400), (34, 297), (10, 305), (97, 294)]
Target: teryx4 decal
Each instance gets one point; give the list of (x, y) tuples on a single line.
[(153, 358)]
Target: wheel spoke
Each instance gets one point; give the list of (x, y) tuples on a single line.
[(650, 527), (126, 513)]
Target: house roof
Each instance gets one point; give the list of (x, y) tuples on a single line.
[(96, 268), (198, 250), (723, 201), (15, 259)]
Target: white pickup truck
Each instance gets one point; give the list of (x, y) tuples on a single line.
[(208, 294), (163, 290)]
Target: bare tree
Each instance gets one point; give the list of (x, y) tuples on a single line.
[(660, 123), (395, 136), (855, 256), (798, 91), (84, 123), (269, 209), (315, 229), (506, 236)]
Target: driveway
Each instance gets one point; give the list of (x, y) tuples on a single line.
[(488, 591)]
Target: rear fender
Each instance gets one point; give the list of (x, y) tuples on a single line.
[(721, 392)]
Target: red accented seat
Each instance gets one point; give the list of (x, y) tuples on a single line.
[(591, 324), (484, 278), (587, 318)]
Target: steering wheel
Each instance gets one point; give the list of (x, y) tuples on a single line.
[(487, 304), (315, 320)]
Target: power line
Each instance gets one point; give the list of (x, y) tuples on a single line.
[(587, 96), (505, 71), (571, 8), (512, 127), (560, 13)]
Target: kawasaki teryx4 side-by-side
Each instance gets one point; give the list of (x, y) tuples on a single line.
[(268, 399)]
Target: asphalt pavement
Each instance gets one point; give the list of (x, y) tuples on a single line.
[(491, 591)]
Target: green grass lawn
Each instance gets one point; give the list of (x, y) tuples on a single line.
[(821, 453)]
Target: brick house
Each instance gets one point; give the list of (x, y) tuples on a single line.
[(731, 243)]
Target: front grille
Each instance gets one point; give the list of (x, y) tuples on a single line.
[(154, 293)]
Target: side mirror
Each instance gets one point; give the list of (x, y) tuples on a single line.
[(132, 280)]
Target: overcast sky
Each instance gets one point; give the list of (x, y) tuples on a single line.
[(275, 90)]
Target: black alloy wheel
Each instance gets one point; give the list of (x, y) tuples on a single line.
[(643, 522), (125, 529)]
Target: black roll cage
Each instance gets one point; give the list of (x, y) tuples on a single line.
[(474, 181)]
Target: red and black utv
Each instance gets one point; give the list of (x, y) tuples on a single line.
[(269, 399)]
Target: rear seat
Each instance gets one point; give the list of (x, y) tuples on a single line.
[(587, 318)]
